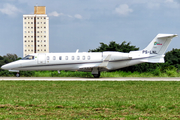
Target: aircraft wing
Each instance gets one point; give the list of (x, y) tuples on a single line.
[(102, 66)]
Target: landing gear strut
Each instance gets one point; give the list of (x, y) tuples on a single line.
[(17, 75), (96, 73)]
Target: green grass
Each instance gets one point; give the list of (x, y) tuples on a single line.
[(89, 100), (155, 73)]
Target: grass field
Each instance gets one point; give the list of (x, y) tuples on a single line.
[(89, 100)]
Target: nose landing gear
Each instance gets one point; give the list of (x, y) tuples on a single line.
[(18, 75)]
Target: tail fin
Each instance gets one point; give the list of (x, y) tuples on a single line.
[(159, 44), (154, 52)]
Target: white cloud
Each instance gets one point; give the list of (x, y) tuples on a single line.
[(78, 16), (123, 9), (153, 5), (10, 10), (169, 1), (55, 14)]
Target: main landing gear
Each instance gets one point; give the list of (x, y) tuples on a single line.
[(17, 75), (95, 73)]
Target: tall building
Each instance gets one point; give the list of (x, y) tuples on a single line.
[(36, 32)]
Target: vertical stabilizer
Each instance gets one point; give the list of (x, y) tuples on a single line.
[(159, 44)]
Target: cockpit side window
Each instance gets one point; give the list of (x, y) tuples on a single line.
[(28, 57)]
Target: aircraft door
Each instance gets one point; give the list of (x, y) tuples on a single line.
[(41, 58)]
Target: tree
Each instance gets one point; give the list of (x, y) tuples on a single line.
[(173, 57), (113, 46)]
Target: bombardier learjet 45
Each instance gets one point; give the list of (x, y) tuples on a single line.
[(93, 62)]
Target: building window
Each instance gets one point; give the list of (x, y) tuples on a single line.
[(25, 18), (38, 45), (31, 50), (72, 57), (60, 57), (31, 31), (37, 31), (31, 40), (44, 36), (31, 27), (54, 57), (24, 31), (38, 40), (47, 57), (25, 27), (37, 36), (44, 22), (31, 18), (66, 58), (38, 50), (44, 49), (44, 27), (25, 45), (24, 36), (37, 17), (28, 31), (44, 31), (37, 22), (44, 40), (31, 45), (28, 22), (44, 45), (28, 45), (31, 22), (44, 17), (31, 36), (25, 41), (38, 27), (28, 27), (24, 22), (25, 50), (28, 40), (78, 58)]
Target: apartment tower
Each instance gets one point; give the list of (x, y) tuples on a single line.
[(36, 32)]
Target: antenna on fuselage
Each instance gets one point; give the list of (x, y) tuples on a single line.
[(77, 50)]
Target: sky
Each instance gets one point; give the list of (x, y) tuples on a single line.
[(83, 24)]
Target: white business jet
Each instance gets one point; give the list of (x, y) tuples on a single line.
[(94, 62)]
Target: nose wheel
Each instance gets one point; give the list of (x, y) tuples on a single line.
[(17, 75)]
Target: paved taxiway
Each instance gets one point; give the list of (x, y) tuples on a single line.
[(86, 79)]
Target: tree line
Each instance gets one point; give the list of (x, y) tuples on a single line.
[(172, 59)]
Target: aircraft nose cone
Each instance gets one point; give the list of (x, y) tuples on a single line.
[(5, 67)]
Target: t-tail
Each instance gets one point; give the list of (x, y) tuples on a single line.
[(154, 52)]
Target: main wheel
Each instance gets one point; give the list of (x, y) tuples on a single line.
[(17, 75), (96, 75)]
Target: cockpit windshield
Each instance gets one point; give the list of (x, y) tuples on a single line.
[(28, 57)]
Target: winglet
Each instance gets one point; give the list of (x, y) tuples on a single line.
[(105, 62)]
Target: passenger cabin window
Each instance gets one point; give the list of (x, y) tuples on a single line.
[(83, 57), (47, 57), (66, 57), (78, 57), (54, 57), (28, 57), (88, 58), (72, 57), (60, 57)]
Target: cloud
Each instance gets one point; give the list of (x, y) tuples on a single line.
[(10, 10), (153, 5), (169, 1), (123, 9), (56, 14), (78, 16)]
